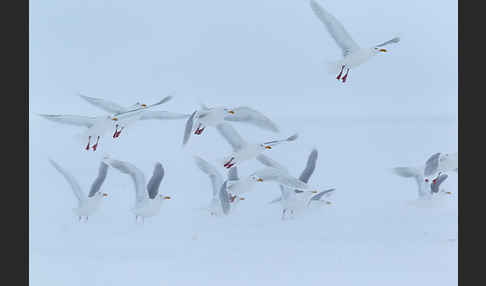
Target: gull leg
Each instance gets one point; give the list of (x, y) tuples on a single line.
[(116, 131), (119, 132), (79, 218), (283, 213), (345, 76), (96, 145), (340, 73), (198, 129), (87, 146), (229, 163)]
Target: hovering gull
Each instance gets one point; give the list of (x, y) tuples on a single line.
[(204, 117), (436, 163), (266, 174), (96, 126), (243, 151), (87, 205), (220, 202), (353, 55), (131, 111), (293, 200), (304, 177), (147, 199)]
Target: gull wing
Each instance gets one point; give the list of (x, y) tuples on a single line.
[(335, 28), (104, 104), (154, 182), (394, 40), (251, 116), (273, 174), (434, 187), (71, 180), (137, 176), (321, 194), (276, 142), (188, 128), (224, 198), (95, 187), (269, 162), (432, 164), (231, 135), (212, 172), (163, 115), (406, 172), (85, 121), (310, 167)]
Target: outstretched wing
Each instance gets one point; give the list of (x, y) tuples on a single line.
[(251, 116), (321, 194), (273, 174), (163, 115), (104, 104), (310, 167), (212, 172), (434, 187), (95, 187), (406, 172), (231, 135), (76, 120), (70, 179), (188, 128), (276, 142), (394, 40), (269, 162), (154, 182), (335, 28), (224, 198), (137, 176), (432, 164)]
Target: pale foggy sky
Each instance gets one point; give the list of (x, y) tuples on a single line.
[(237, 52)]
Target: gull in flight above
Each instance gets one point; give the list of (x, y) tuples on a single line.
[(147, 199), (221, 201), (353, 55), (96, 127), (128, 115), (436, 163), (87, 205), (214, 116), (243, 151)]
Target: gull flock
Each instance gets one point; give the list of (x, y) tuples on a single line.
[(227, 188)]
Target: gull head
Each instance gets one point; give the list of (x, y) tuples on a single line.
[(256, 178), (264, 146), (379, 50), (229, 110)]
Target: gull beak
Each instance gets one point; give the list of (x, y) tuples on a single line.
[(449, 193), (314, 192), (144, 105), (114, 119), (166, 198), (105, 194), (328, 202), (260, 180), (242, 199), (382, 50), (231, 112), (268, 147)]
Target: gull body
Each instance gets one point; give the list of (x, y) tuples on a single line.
[(215, 116), (221, 202), (436, 164), (90, 203), (148, 201)]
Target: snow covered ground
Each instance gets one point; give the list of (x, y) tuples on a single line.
[(394, 111)]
